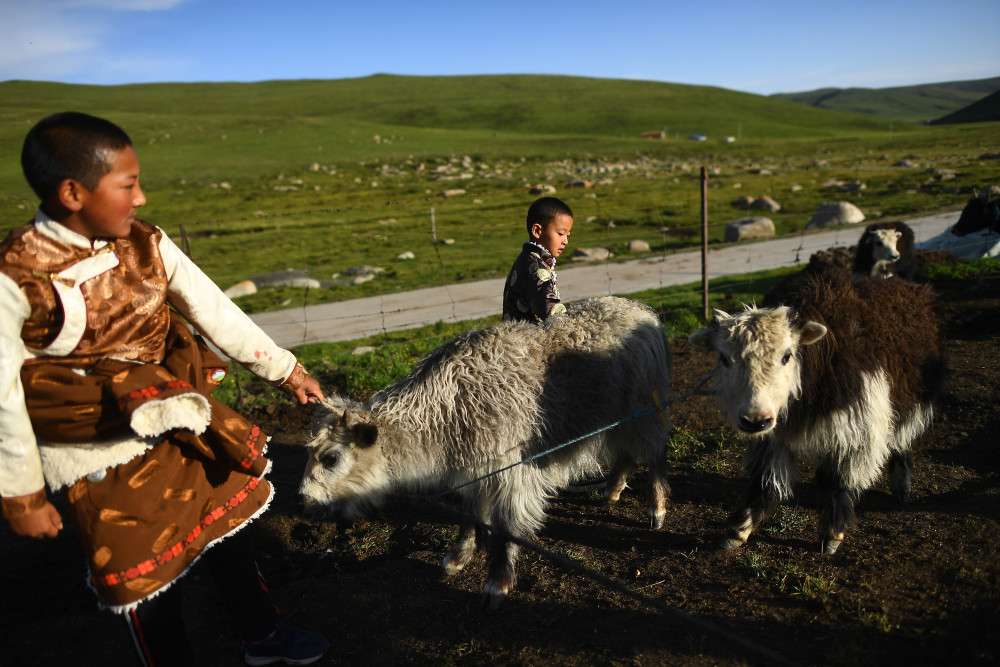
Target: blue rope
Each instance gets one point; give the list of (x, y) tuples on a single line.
[(637, 413)]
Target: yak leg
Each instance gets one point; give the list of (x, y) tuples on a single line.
[(659, 488), (900, 473), (461, 553), (618, 477), (500, 565), (771, 471), (836, 512)]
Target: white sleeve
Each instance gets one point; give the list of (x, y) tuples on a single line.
[(20, 463), (220, 320)]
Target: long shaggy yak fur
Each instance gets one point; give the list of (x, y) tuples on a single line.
[(494, 397)]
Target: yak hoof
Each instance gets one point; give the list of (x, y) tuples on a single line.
[(452, 564), (829, 547), (656, 520), (731, 543), (493, 595)]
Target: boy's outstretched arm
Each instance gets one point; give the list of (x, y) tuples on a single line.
[(32, 515)]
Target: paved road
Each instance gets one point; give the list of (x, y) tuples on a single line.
[(358, 318)]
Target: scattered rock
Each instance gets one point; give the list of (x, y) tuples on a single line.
[(242, 288), (361, 270), (591, 254), (542, 189), (455, 192), (749, 229), (765, 203), (363, 349), (638, 245), (406, 255), (835, 213), (285, 278)]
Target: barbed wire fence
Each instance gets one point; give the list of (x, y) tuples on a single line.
[(802, 247), (607, 209)]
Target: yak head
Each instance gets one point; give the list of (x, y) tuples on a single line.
[(346, 472), (884, 244), (759, 368)]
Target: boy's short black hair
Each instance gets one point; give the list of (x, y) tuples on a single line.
[(70, 145), (544, 210)]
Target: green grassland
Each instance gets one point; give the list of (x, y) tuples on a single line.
[(328, 175)]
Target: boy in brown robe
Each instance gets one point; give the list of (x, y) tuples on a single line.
[(105, 392)]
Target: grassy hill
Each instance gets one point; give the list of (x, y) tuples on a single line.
[(980, 111), (233, 130), (328, 175), (911, 103)]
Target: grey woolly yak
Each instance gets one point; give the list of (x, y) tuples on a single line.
[(490, 399), (885, 249), (840, 373)]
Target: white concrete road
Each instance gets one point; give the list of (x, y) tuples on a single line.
[(358, 318)]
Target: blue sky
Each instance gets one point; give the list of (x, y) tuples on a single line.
[(761, 47)]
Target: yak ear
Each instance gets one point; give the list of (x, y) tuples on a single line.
[(702, 338), (365, 435), (812, 332), (327, 413), (720, 315)]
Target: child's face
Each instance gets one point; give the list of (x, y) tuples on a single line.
[(109, 209), (554, 236)]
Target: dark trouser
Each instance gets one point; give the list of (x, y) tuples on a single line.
[(157, 627)]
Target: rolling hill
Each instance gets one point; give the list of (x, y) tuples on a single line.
[(912, 103), (980, 111)]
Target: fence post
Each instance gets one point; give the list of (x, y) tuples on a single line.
[(704, 241)]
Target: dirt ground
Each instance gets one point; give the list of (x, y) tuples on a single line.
[(909, 586)]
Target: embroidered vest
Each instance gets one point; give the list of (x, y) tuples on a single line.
[(88, 305)]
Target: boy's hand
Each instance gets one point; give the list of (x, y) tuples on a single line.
[(43, 522), (309, 391)]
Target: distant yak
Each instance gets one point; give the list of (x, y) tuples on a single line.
[(885, 249)]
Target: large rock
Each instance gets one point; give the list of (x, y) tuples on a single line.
[(765, 203), (749, 229), (242, 288), (836, 213), (286, 278), (591, 254)]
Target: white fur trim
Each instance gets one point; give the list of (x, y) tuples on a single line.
[(189, 411), (63, 464)]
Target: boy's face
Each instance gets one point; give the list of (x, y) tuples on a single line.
[(109, 209), (554, 236)]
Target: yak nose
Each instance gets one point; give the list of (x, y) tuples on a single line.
[(755, 423)]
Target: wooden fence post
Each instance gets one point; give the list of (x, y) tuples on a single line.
[(704, 241)]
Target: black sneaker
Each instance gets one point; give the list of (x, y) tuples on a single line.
[(288, 645)]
